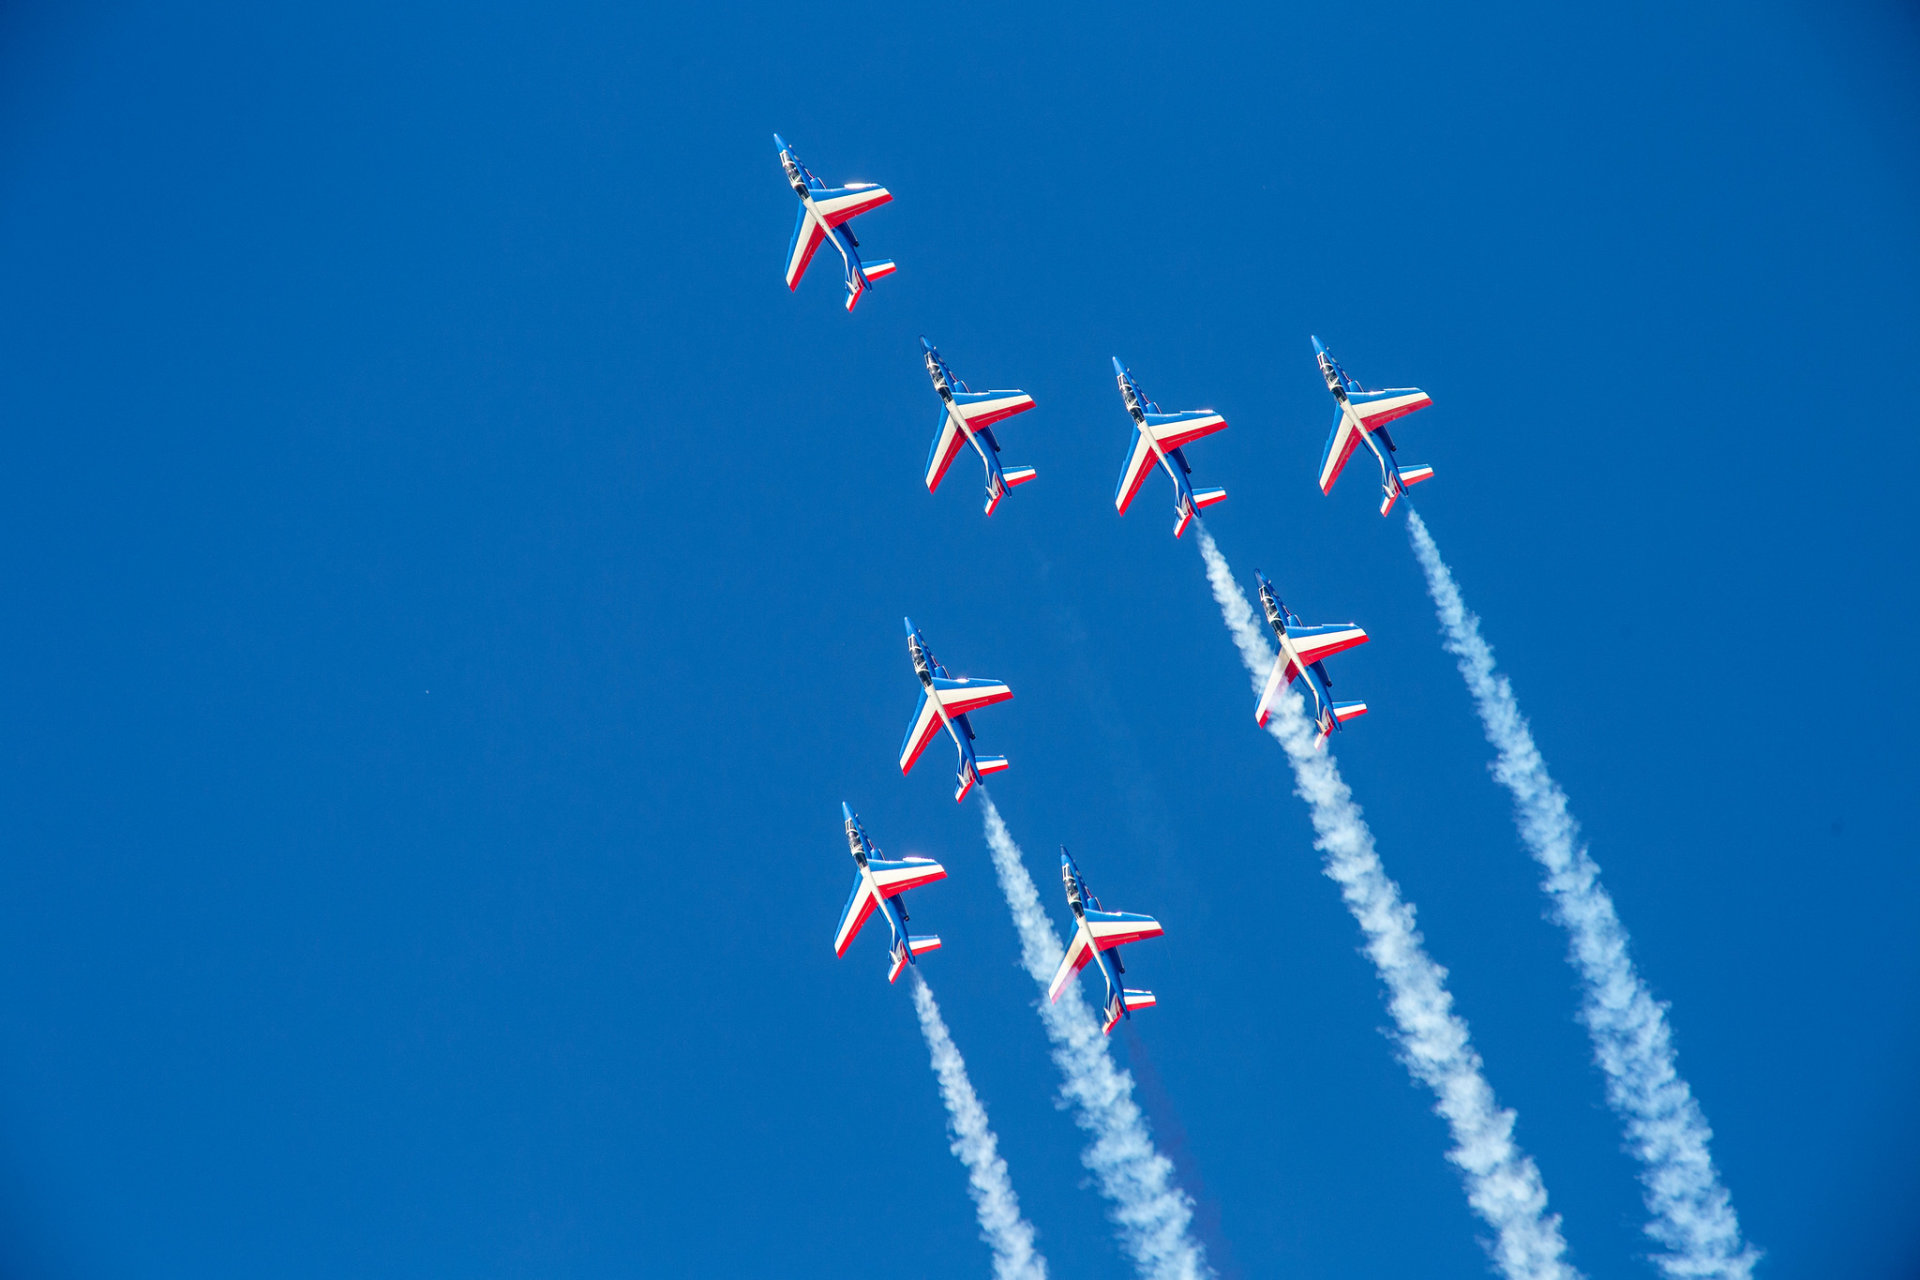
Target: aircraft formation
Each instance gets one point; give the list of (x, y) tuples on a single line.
[(1158, 443), (1690, 1211)]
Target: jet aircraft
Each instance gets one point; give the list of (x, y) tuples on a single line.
[(1097, 936), (1157, 438), (944, 703), (1302, 648), (967, 418), (1364, 415), (824, 214), (884, 885)]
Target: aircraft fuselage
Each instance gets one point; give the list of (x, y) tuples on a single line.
[(995, 485), (1182, 490), (1389, 478), (924, 670)]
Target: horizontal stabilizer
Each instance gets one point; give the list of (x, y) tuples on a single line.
[(990, 764), (1207, 497), (884, 267), (1415, 474), (1018, 475), (1140, 999), (1348, 710), (1389, 498), (901, 956)]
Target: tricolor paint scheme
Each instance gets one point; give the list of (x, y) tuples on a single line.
[(1364, 415), (944, 703), (1301, 650), (1157, 439), (881, 884), (967, 418), (824, 214), (1097, 936)]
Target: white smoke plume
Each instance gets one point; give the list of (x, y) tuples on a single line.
[(1009, 1235), (1692, 1213), (1503, 1185), (1155, 1217)]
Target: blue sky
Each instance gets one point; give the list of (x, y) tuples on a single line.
[(452, 586)]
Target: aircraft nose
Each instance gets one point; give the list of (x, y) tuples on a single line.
[(925, 343), (1118, 367), (1317, 348), (909, 622), (779, 142), (846, 811)]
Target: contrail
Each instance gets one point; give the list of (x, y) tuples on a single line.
[(1692, 1213), (1009, 1235), (1155, 1217), (1503, 1184)]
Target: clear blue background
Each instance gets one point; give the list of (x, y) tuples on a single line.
[(450, 586)]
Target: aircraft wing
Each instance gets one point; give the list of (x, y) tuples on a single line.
[(1112, 928), (907, 873), (1378, 408), (1140, 461), (948, 441), (1079, 952), (1315, 643), (984, 408), (839, 204), (962, 696), (1340, 445), (806, 238), (1175, 429), (859, 906), (1283, 673), (1312, 644), (926, 724)]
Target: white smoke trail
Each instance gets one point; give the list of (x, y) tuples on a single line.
[(1503, 1185), (1009, 1235), (1692, 1213), (1154, 1215)]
